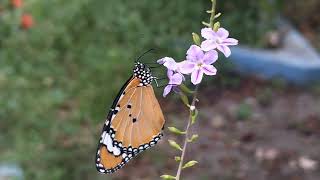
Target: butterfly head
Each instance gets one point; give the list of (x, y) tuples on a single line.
[(142, 72)]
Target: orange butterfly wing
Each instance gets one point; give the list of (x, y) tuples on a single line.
[(133, 125)]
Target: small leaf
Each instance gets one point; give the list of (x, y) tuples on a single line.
[(189, 164), (196, 39), (174, 145), (206, 24), (175, 130), (184, 99), (217, 15), (177, 158), (193, 138), (209, 11), (216, 26), (167, 177), (194, 115), (185, 89)]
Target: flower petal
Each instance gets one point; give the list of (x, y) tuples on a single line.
[(171, 64), (210, 57), (230, 42), (168, 62), (167, 90), (225, 50), (208, 45), (196, 76), (163, 60), (194, 53), (207, 33), (223, 33), (209, 70), (176, 79), (187, 67), (170, 73)]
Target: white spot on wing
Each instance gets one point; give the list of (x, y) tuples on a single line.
[(116, 151), (102, 136), (109, 143)]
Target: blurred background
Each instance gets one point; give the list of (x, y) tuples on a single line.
[(62, 63)]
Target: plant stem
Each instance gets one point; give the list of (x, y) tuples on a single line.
[(191, 110), (187, 133), (213, 12)]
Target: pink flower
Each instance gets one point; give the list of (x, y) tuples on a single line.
[(199, 63), (217, 40), (174, 75), (169, 63), (175, 79)]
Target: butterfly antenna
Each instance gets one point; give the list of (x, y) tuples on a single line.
[(144, 54)]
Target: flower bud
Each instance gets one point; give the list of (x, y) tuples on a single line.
[(216, 26), (196, 39)]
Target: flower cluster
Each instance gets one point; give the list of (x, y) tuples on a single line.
[(26, 20), (199, 59)]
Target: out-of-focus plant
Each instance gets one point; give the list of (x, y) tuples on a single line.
[(199, 59), (263, 15)]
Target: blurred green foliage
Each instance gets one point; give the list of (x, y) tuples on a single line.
[(58, 78)]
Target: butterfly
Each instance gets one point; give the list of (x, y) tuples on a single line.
[(134, 122)]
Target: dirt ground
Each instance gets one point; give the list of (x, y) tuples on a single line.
[(259, 131)]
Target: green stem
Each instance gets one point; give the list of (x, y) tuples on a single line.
[(187, 134), (213, 13), (185, 144)]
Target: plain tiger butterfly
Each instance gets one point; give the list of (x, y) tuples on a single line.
[(134, 122)]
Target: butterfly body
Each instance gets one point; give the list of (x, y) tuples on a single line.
[(134, 122)]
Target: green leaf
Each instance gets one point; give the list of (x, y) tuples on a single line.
[(185, 89), (189, 164), (177, 158), (209, 11), (216, 26), (175, 145), (194, 115), (167, 177), (184, 99), (193, 138), (176, 131), (196, 39)]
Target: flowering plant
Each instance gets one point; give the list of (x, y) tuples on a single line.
[(199, 61)]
